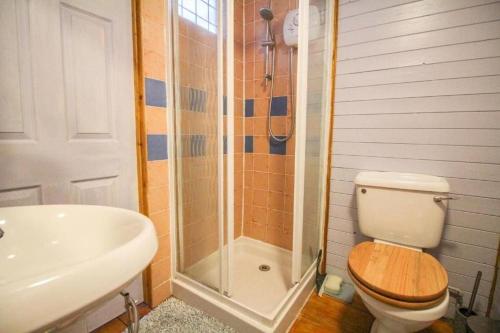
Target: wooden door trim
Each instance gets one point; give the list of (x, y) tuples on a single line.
[(330, 139), (140, 129)]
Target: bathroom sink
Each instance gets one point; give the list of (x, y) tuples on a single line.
[(57, 262)]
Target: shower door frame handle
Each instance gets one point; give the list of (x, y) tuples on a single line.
[(300, 137), (226, 281), (174, 145)]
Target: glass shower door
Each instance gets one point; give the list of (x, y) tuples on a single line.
[(313, 119), (202, 59), (196, 59)]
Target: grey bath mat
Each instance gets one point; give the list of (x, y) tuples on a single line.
[(174, 315)]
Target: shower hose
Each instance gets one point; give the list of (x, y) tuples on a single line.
[(292, 108)]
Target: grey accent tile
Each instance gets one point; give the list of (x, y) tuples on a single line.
[(249, 108), (157, 147), (156, 93), (279, 106), (277, 147), (248, 144)]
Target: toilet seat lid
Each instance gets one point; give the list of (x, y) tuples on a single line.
[(398, 272)]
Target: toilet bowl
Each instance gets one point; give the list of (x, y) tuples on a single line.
[(391, 319), (404, 288)]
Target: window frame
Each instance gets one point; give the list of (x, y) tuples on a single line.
[(208, 22)]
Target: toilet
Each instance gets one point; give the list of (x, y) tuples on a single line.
[(404, 288)]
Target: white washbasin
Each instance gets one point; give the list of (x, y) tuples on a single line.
[(59, 261)]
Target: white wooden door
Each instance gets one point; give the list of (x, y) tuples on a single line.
[(67, 125)]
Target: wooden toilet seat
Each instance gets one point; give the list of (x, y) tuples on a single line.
[(398, 276)]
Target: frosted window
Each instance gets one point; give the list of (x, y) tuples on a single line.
[(201, 12), (212, 15)]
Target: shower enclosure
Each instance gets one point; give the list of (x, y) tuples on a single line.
[(248, 207)]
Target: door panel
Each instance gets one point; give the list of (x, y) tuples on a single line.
[(16, 94), (79, 45), (87, 53), (67, 124), (99, 191), (21, 196)]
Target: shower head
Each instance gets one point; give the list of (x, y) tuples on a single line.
[(266, 13)]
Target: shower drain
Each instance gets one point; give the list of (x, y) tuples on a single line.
[(264, 268)]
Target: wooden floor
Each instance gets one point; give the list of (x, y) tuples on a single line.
[(320, 315), (326, 314)]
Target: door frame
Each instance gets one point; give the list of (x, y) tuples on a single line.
[(230, 142), (171, 38), (300, 139), (140, 130)]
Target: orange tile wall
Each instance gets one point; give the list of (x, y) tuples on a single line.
[(151, 24), (268, 189)]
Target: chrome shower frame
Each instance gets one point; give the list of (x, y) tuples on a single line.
[(216, 301)]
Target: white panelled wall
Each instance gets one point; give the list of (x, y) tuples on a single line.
[(418, 90)]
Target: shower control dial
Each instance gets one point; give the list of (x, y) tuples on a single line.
[(291, 28)]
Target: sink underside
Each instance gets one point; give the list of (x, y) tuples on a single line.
[(62, 260)]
